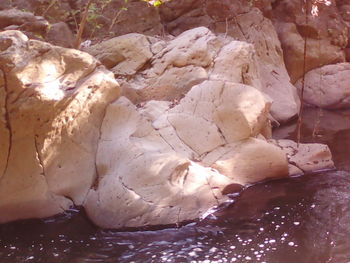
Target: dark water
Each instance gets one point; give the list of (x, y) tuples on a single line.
[(303, 219)]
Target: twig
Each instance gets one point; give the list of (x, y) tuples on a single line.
[(53, 2), (82, 25), (300, 118), (115, 19)]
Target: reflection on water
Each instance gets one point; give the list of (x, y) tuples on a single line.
[(302, 219)]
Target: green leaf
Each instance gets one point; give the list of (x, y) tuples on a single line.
[(157, 3)]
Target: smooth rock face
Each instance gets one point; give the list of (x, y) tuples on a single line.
[(155, 162), (327, 87), (53, 101)]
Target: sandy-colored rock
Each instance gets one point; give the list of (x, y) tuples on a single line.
[(163, 163), (54, 104), (142, 180), (307, 157), (249, 161), (328, 87), (124, 55), (196, 55), (275, 81), (174, 83), (242, 22)]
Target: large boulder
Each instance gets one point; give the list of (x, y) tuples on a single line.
[(67, 140), (52, 104), (327, 87), (166, 69), (163, 164), (239, 20)]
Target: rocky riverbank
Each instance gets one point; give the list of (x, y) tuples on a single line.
[(143, 129)]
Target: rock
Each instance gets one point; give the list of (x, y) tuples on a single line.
[(194, 56), (155, 163), (4, 132), (131, 17), (275, 81), (173, 83), (125, 55), (5, 4), (34, 25), (192, 47), (54, 101), (328, 87), (307, 157), (251, 160), (244, 23), (326, 35), (142, 181), (60, 34), (60, 11)]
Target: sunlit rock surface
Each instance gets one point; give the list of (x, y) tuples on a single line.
[(52, 105), (305, 157), (176, 64), (159, 164), (193, 121), (239, 20)]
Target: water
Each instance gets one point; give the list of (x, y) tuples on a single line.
[(302, 219)]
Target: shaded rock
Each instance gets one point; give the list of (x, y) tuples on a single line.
[(5, 4), (124, 55), (60, 34), (35, 26), (326, 33), (60, 11), (328, 87), (54, 101), (131, 17), (307, 157)]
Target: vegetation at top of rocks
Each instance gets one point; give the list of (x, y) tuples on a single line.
[(94, 9)]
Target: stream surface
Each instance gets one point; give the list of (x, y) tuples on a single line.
[(300, 219)]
